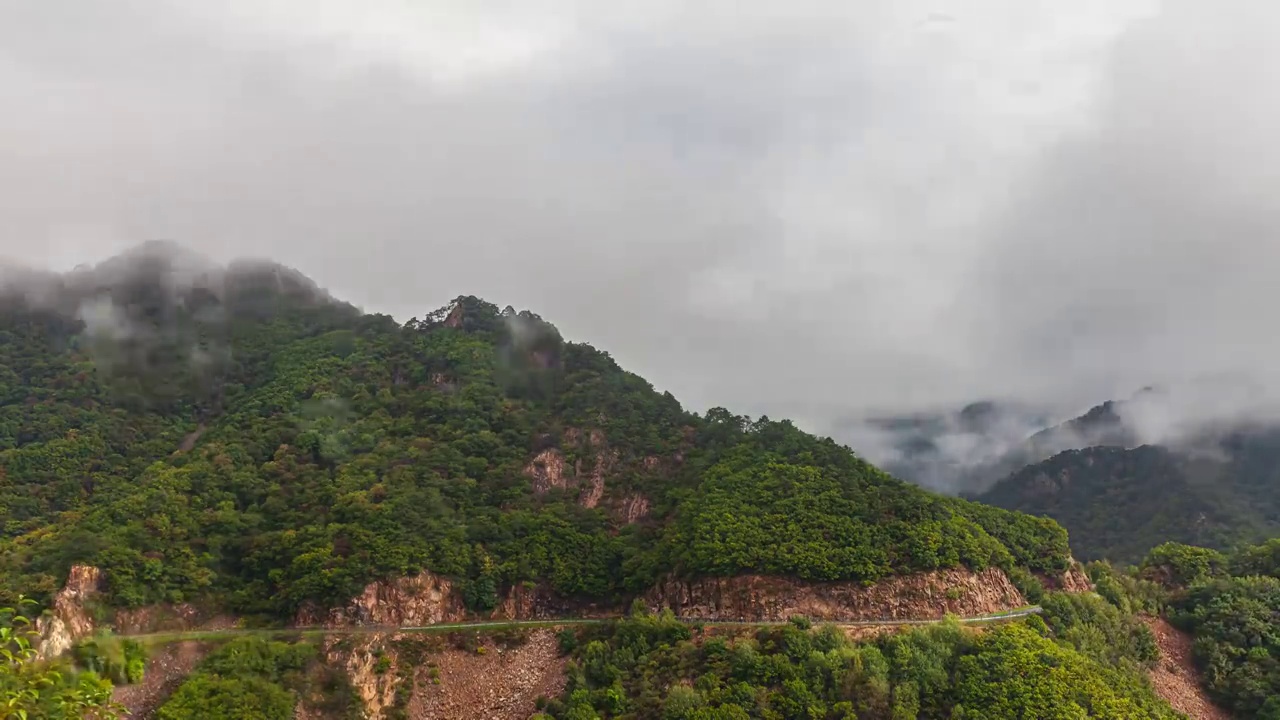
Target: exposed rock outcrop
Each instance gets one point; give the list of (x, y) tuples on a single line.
[(423, 677), (455, 316), (374, 678), (593, 487), (69, 619), (537, 602), (180, 617), (427, 599), (634, 508), (1073, 580), (912, 597), (547, 471), (189, 442), (442, 381), (421, 599)]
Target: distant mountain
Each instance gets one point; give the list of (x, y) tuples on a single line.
[(1198, 463), (969, 450), (1214, 488), (1118, 503), (949, 451)]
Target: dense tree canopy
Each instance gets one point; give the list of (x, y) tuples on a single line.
[(251, 677), (1086, 661), (31, 689), (1231, 606), (1119, 502), (244, 440)]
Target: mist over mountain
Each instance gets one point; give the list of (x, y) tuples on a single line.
[(947, 451), (1006, 268), (968, 450)]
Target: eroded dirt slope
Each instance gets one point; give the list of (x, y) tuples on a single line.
[(500, 684), (166, 669), (1175, 676)]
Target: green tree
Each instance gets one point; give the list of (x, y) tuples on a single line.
[(31, 689)]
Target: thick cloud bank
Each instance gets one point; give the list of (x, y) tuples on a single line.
[(821, 210)]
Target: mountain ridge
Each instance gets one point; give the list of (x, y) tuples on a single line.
[(236, 447), (295, 450)]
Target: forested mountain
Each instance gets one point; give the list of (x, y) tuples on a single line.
[(969, 450), (238, 439), (1122, 477), (235, 435), (1230, 604), (1119, 499), (1083, 659), (958, 451)]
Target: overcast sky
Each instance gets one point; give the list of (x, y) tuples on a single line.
[(800, 208)]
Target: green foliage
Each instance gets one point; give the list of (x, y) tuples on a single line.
[(1015, 673), (1098, 629), (123, 661), (259, 447), (1235, 620), (1028, 584), (757, 512), (216, 698), (1176, 565), (567, 638), (1263, 559), (33, 689), (1128, 591), (649, 668), (1036, 543), (247, 677), (1118, 503)]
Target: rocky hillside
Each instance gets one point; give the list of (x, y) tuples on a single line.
[(361, 661)]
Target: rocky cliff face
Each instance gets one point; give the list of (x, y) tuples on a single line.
[(634, 508), (546, 471), (180, 617), (1176, 678), (359, 658), (913, 597), (421, 676), (1074, 580), (427, 598), (422, 599), (69, 619)]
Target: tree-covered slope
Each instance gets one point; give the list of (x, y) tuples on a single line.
[(237, 436), (1118, 502), (1230, 605), (1085, 659)]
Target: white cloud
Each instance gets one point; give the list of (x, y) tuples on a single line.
[(807, 209)]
